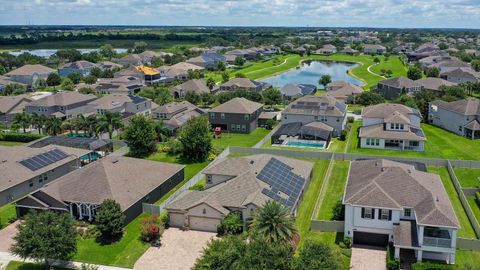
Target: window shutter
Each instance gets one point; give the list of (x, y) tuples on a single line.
[(363, 212), (373, 213), (389, 214)]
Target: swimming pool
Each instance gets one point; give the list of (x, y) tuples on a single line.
[(305, 144)]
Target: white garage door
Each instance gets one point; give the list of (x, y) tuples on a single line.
[(203, 224), (177, 220)]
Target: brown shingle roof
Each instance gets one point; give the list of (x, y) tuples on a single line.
[(386, 109), (7, 103), (315, 105), (399, 82), (126, 180), (28, 70), (388, 184), (470, 106), (434, 83), (238, 105), (240, 82), (63, 98), (196, 85), (378, 131)]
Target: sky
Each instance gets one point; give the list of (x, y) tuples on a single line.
[(316, 13)]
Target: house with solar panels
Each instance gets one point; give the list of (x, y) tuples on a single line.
[(391, 126), (25, 169), (241, 185)]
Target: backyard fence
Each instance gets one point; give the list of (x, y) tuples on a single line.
[(157, 209), (470, 244), (463, 200), (327, 225)]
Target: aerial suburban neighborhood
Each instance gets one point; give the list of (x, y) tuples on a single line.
[(133, 145)]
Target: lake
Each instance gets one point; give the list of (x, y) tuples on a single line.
[(311, 71), (46, 53)]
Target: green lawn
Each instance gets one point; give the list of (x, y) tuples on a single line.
[(191, 169), (333, 189), (466, 229), (475, 208), (123, 253), (286, 62), (242, 140), (440, 144), (468, 178), (14, 265), (464, 258), (6, 212), (7, 143), (394, 64)]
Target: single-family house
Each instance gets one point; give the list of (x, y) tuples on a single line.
[(147, 56), (5, 81), (81, 67), (327, 49), (126, 105), (150, 75), (25, 169), (292, 91), (176, 114), (64, 104), (178, 71), (109, 65), (434, 84), (349, 51), (29, 74), (238, 115), (325, 109), (130, 60), (129, 181), (241, 185), (126, 85), (460, 75), (347, 93), (392, 202), (391, 126), (461, 117), (374, 49), (12, 105), (243, 84), (207, 60), (197, 86), (395, 87)]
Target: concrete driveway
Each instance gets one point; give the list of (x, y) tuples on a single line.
[(179, 250), (6, 236), (368, 258)]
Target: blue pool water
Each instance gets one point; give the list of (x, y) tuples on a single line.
[(306, 145), (311, 71)]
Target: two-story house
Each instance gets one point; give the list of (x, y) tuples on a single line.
[(29, 74), (461, 117), (176, 114), (325, 109), (208, 60), (124, 104), (12, 105), (374, 49), (241, 185), (238, 115), (392, 202), (391, 126), (64, 104), (242, 84), (460, 75), (81, 67), (395, 87)]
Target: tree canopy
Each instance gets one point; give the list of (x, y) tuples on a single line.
[(196, 139), (140, 136), (110, 220)]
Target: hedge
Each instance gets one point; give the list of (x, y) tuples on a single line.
[(392, 263), (431, 266), (20, 137)]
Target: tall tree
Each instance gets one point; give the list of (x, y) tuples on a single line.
[(140, 136), (54, 79), (315, 255), (45, 235), (53, 126), (161, 130), (109, 122), (196, 139), (24, 120), (110, 220), (274, 223), (414, 73), (139, 46), (107, 51), (433, 72), (272, 96), (325, 79), (38, 121)]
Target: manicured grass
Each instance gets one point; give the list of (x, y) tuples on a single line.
[(242, 140), (320, 92), (440, 144), (393, 63), (191, 169), (466, 229), (333, 189), (474, 206), (7, 143), (468, 178), (124, 252), (6, 212), (464, 258), (14, 265)]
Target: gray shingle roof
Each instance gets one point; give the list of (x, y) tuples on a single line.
[(434, 83), (388, 184), (470, 106), (238, 105), (386, 109), (28, 70), (63, 98), (315, 105), (400, 82)]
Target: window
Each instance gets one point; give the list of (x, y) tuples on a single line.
[(238, 127), (209, 179), (413, 143), (460, 128), (368, 141), (368, 213), (246, 117), (384, 214), (42, 177), (30, 183), (338, 119), (284, 117), (244, 128), (392, 125), (232, 127), (222, 116), (315, 117), (401, 126), (323, 118), (407, 212), (204, 211), (212, 115)]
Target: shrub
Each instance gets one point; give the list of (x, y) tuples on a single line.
[(477, 197), (350, 119), (165, 218), (431, 266), (198, 187), (338, 211), (20, 137), (392, 263), (343, 135), (211, 157), (110, 219), (348, 242), (151, 228), (231, 224), (269, 124)]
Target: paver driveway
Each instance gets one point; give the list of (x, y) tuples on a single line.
[(179, 250), (368, 258), (6, 236)]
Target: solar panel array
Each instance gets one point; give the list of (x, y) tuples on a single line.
[(281, 178), (42, 160)]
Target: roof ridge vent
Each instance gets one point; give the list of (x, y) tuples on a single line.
[(383, 169)]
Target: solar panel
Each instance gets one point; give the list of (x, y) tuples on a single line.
[(44, 159), (282, 180)]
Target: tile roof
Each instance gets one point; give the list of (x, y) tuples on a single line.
[(388, 184), (238, 105)]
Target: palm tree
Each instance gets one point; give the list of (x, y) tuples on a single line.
[(274, 223), (53, 126), (24, 120), (162, 131), (90, 125), (69, 124), (109, 122)]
